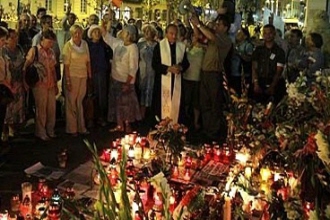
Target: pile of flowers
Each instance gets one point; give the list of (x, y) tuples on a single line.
[(291, 141)]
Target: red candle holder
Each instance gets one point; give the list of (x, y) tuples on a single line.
[(106, 155), (208, 153), (175, 173), (308, 207), (226, 154), (217, 153), (187, 175), (188, 162), (172, 203)]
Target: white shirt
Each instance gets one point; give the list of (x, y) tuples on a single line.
[(125, 59)]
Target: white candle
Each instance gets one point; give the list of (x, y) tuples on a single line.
[(114, 154), (4, 215), (135, 208)]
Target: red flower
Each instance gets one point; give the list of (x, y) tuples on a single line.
[(309, 148)]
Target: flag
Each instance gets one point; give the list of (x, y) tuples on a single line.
[(116, 3)]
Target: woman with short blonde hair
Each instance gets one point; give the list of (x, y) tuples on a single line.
[(77, 68)]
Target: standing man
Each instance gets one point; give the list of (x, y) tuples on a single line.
[(67, 22), (267, 66), (212, 91), (40, 13), (24, 37), (295, 55), (169, 61)]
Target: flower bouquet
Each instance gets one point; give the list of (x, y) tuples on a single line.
[(170, 137)]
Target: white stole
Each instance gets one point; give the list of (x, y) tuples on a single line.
[(171, 107)]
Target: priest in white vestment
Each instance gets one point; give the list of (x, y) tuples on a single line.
[(169, 62)]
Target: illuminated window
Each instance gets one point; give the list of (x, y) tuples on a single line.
[(48, 4), (83, 6)]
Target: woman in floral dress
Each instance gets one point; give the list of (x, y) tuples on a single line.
[(123, 102), (15, 113)]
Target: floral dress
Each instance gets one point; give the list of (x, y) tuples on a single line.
[(15, 110)]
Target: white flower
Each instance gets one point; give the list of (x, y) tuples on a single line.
[(318, 73), (323, 148)]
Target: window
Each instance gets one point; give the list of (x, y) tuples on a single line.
[(83, 6), (49, 4), (66, 4)]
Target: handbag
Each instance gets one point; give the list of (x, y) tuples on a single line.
[(31, 73), (6, 96)]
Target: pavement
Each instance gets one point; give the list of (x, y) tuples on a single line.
[(25, 150)]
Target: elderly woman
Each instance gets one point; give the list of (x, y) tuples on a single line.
[(123, 103), (15, 110), (146, 47), (76, 70), (100, 54), (46, 89)]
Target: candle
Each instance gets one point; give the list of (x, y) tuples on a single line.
[(187, 175), (208, 153), (106, 155), (226, 154), (4, 215), (227, 209), (26, 190), (138, 151), (130, 153), (26, 206), (265, 173), (114, 154), (172, 203), (175, 171), (135, 209), (217, 154), (308, 206), (144, 186), (14, 203), (188, 161)]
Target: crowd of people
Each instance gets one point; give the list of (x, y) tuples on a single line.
[(123, 73)]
